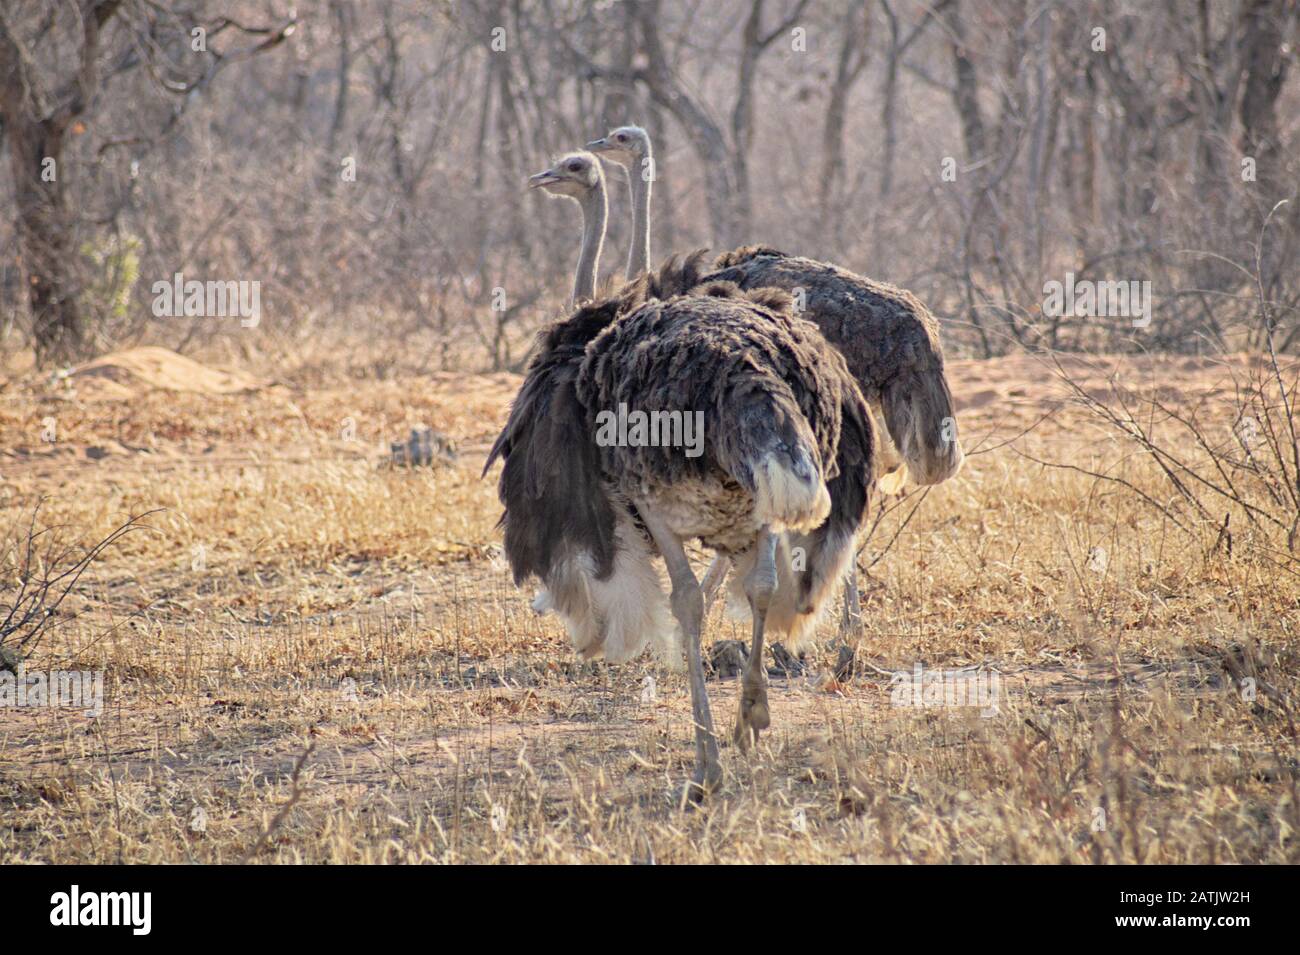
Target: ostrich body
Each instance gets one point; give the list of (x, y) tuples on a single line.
[(786, 462), (891, 344), (888, 337), (578, 176), (629, 146)]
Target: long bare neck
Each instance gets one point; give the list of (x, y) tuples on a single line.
[(595, 210), (638, 177)]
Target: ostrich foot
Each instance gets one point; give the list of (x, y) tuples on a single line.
[(704, 782), (753, 716)]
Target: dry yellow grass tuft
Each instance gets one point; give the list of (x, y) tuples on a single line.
[(294, 596)]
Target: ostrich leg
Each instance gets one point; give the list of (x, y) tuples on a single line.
[(760, 584), (851, 622), (688, 608), (714, 578)]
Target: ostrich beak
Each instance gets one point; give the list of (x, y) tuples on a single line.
[(542, 179), (599, 145)]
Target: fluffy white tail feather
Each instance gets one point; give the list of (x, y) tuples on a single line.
[(617, 617), (930, 458)]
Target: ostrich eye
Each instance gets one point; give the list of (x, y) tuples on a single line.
[(575, 166), (620, 138)]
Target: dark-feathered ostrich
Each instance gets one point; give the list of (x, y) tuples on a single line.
[(888, 337), (891, 344), (779, 485)]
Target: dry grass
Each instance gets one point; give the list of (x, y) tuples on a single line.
[(294, 597)]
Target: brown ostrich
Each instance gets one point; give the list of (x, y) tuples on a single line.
[(889, 339), (784, 461)]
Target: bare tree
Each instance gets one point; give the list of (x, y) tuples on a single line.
[(37, 120), (40, 104)]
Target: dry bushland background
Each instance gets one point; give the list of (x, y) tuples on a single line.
[(1151, 150), (312, 657)]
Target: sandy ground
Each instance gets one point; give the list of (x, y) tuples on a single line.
[(298, 605)]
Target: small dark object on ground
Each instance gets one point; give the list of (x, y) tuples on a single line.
[(727, 658), (424, 448), (786, 664)]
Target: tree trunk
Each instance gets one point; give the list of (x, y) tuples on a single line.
[(742, 117), (35, 138), (849, 64), (45, 238), (44, 235), (705, 136), (966, 89), (1263, 52)]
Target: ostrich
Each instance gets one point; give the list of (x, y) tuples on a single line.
[(888, 337), (629, 146), (778, 483), (891, 344), (578, 176)]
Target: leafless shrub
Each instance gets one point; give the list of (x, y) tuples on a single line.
[(1232, 482), (44, 567)]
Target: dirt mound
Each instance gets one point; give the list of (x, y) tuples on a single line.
[(125, 374)]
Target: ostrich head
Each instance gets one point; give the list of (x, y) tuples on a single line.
[(574, 175), (627, 145), (578, 176)]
